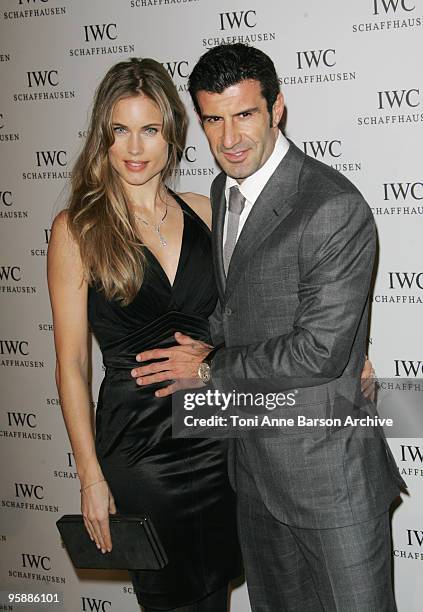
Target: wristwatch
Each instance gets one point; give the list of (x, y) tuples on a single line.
[(204, 369)]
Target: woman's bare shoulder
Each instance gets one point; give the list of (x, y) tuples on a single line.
[(60, 222), (61, 242), (200, 204)]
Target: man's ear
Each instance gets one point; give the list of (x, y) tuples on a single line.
[(277, 110)]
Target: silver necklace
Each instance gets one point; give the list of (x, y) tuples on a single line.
[(156, 226)]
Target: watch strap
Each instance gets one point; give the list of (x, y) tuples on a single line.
[(209, 358)]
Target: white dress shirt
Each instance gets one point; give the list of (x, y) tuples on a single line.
[(252, 186)]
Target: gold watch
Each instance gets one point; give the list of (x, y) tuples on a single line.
[(204, 369), (204, 372)]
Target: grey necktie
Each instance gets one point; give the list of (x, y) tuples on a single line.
[(236, 206)]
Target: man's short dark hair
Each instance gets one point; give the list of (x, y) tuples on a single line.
[(228, 65)]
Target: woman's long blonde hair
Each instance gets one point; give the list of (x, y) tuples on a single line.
[(99, 216)]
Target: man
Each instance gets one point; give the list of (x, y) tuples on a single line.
[(294, 246)]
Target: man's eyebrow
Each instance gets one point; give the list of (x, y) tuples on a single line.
[(209, 116), (253, 109), (247, 110)]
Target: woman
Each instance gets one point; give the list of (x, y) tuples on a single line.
[(132, 259)]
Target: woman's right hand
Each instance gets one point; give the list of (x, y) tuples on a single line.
[(96, 504)]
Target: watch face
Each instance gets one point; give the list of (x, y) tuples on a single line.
[(204, 372)]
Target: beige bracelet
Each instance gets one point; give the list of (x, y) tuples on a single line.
[(92, 484)]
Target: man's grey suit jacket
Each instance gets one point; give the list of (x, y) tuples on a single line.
[(294, 306)]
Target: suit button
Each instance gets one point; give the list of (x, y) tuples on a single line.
[(228, 311)]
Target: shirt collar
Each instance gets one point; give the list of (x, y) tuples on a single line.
[(253, 185)]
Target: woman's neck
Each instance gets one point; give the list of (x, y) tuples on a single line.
[(147, 197)]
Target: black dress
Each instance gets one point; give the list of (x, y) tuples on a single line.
[(181, 483)]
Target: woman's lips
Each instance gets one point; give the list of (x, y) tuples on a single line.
[(133, 166)]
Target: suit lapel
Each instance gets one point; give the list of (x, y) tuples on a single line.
[(272, 206), (219, 208)]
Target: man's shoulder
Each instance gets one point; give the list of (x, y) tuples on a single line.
[(217, 187), (325, 192), (321, 187), (218, 183), (321, 178)]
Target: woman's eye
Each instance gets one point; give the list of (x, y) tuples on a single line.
[(151, 131), (118, 129)]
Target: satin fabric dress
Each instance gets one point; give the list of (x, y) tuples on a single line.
[(180, 483)]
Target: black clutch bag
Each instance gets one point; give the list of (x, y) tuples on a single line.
[(135, 544)]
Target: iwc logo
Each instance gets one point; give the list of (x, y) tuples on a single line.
[(389, 16), (161, 3), (37, 567), (29, 9), (91, 604), (49, 165), (401, 288), (4, 135), (331, 152), (16, 354), (411, 545), (315, 67), (12, 281), (29, 497), (23, 426), (44, 237), (179, 70), (394, 107), (411, 460), (43, 86), (401, 198), (67, 471), (191, 166), (7, 205), (237, 27), (101, 39), (408, 368)]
